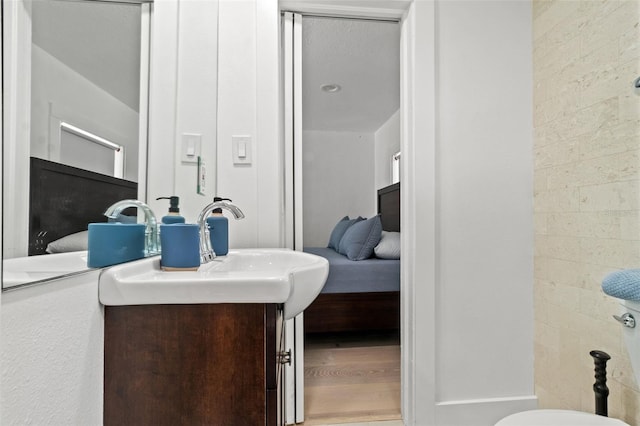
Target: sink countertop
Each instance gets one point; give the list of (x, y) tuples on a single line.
[(243, 276)]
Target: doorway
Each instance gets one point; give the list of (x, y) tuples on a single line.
[(418, 146), (346, 139)]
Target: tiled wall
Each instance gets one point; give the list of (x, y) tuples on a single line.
[(587, 200)]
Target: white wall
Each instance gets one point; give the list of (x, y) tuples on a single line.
[(484, 314), (196, 103), (60, 91), (237, 116), (483, 352), (248, 104), (338, 180), (51, 353), (183, 99), (387, 141)]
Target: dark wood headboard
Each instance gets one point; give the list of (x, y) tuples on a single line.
[(65, 199), (389, 207)]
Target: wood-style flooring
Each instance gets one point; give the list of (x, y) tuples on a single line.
[(351, 378)]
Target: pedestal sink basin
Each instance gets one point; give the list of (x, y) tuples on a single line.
[(242, 276)]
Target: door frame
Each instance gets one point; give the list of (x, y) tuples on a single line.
[(292, 134), (418, 201)]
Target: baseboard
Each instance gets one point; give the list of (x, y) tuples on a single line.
[(481, 412)]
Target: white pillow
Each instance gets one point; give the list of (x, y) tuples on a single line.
[(389, 246), (72, 242)]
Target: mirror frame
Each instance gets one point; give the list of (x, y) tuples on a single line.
[(15, 110)]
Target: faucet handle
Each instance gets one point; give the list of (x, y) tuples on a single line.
[(207, 257)]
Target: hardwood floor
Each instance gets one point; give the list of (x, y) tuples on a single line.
[(351, 378)]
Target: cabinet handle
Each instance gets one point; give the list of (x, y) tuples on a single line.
[(285, 357)]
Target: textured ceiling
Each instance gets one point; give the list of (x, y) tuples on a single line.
[(363, 57), (99, 40)]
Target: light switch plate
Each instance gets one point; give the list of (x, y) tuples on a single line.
[(241, 149)]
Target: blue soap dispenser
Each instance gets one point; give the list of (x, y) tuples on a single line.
[(219, 230), (174, 210)]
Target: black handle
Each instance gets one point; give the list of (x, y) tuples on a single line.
[(600, 386)]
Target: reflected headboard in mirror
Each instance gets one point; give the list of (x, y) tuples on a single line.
[(389, 207), (63, 200)]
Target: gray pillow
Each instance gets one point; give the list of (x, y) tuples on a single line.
[(71, 242), (339, 230), (389, 246), (358, 241)]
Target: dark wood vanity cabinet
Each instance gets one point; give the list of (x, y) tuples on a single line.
[(210, 364)]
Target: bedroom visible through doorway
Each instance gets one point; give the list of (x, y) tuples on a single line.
[(350, 134)]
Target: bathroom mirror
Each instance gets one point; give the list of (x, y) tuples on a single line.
[(75, 79)]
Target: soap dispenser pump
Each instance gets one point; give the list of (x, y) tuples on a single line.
[(174, 211), (219, 230)]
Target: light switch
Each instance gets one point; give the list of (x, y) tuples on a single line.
[(241, 145), (191, 147)]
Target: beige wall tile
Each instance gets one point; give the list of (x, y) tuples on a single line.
[(593, 171), (629, 225), (586, 145), (616, 253), (539, 6), (556, 154), (540, 221), (557, 200), (558, 247), (628, 107), (613, 139), (556, 12), (629, 40), (609, 196), (607, 27), (584, 224)]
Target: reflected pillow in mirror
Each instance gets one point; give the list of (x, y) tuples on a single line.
[(339, 230), (72, 242), (358, 241), (389, 246)]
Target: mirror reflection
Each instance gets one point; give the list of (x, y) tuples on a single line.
[(75, 126)]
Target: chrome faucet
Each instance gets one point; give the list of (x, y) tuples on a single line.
[(151, 243), (206, 251)]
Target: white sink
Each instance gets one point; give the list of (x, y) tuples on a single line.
[(242, 276), (30, 269)]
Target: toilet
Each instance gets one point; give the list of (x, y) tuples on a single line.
[(558, 418), (579, 418)]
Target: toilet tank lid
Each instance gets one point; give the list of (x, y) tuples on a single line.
[(558, 418)]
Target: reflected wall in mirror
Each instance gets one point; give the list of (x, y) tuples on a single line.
[(75, 126)]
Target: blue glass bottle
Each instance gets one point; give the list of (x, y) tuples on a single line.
[(219, 230)]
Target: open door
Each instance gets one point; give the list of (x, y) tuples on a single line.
[(292, 82)]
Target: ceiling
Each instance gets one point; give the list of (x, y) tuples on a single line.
[(363, 57), (99, 40)]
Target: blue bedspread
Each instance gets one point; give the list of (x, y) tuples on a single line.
[(348, 276)]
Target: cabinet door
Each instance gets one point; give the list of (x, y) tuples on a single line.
[(187, 364)]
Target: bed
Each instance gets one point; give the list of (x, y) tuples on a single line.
[(63, 200), (360, 295)]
